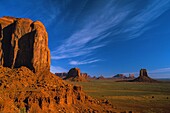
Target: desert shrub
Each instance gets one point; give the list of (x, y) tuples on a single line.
[(23, 110)]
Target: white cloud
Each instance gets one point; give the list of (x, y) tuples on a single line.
[(160, 73), (161, 70), (106, 25), (57, 69), (89, 61), (138, 24), (88, 39)]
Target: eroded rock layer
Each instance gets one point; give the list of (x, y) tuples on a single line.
[(21, 90)]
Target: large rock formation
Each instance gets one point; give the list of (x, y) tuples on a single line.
[(143, 72), (74, 72), (143, 77), (101, 77), (23, 43), (131, 76), (21, 90), (64, 75), (85, 75), (75, 75), (119, 76)]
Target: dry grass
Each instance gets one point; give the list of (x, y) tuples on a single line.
[(141, 97)]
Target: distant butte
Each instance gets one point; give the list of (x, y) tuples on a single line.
[(143, 77), (75, 74)]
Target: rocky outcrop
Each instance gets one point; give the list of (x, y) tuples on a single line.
[(101, 77), (24, 43), (22, 90), (143, 77), (119, 76), (24, 49), (85, 75), (75, 75), (131, 76), (74, 72), (143, 72), (64, 75)]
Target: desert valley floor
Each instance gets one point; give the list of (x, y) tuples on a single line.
[(131, 96)]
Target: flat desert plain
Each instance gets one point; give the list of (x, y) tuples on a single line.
[(131, 96)]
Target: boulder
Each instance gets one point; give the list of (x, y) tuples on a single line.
[(24, 43)]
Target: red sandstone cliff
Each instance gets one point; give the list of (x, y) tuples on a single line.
[(23, 43)]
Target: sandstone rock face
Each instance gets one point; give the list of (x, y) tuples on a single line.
[(24, 43), (74, 72), (24, 47), (22, 90), (143, 77), (143, 72), (75, 75)]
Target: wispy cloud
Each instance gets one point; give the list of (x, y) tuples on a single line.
[(160, 73), (109, 23), (87, 39), (57, 69), (88, 61), (138, 24), (161, 70)]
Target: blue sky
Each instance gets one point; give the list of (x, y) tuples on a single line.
[(102, 37)]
